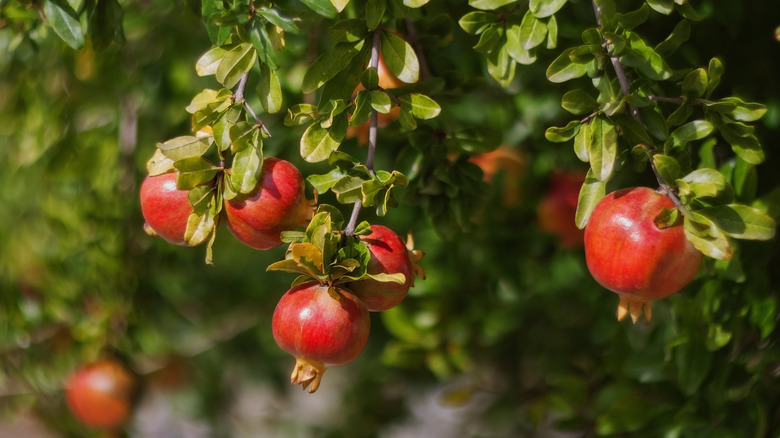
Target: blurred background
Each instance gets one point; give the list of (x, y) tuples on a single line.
[(507, 337)]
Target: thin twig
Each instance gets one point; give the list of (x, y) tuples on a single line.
[(239, 98), (349, 230)]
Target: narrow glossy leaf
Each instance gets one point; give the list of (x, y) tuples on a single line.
[(714, 72), (662, 6), (308, 255), (476, 140), (199, 228), (578, 101), (552, 33), (380, 101), (105, 24), (604, 149), (562, 69), (183, 147), (159, 164), (501, 66), (375, 10), (746, 111), (691, 131), (329, 64), (415, 3), (65, 22), (247, 165), (400, 57), (695, 83), (667, 167), (590, 194), (348, 189), (680, 34), (323, 183), (266, 43), (269, 90), (630, 20), (545, 8), (705, 182), (643, 58), (206, 97), (706, 237), (194, 172), (293, 267), (681, 114), (208, 63), (235, 63), (582, 142), (514, 46), (562, 134), (349, 31), (746, 147), (317, 142), (273, 16), (475, 22), (533, 31), (422, 106), (741, 221), (322, 7), (490, 39), (489, 5), (300, 114)]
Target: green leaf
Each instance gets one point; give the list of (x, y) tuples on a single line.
[(745, 111), (105, 24), (740, 221), (667, 167), (705, 182), (545, 8), (514, 45), (208, 63), (475, 22), (695, 83), (265, 44), (643, 58), (604, 149), (348, 189), (662, 6), (714, 72), (706, 237), (159, 164), (317, 142), (489, 5), (348, 31), (552, 33), (746, 147), (375, 10), (183, 147), (563, 134), (630, 20), (65, 22), (590, 194), (680, 34), (578, 101), (300, 114), (194, 172), (322, 7), (199, 227), (421, 106), (400, 57), (274, 17), (329, 64), (490, 39), (693, 361), (415, 3), (380, 101), (476, 140), (533, 31), (323, 183), (583, 142), (235, 63), (269, 90), (247, 166), (362, 111), (563, 69), (691, 131)]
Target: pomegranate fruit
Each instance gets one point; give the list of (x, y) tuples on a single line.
[(101, 395), (557, 210), (277, 204), (627, 253), (389, 255), (322, 326), (507, 161), (165, 208)]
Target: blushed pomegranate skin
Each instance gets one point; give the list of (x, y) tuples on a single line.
[(628, 254), (277, 204), (389, 255), (557, 209), (321, 330), (165, 208), (101, 394)]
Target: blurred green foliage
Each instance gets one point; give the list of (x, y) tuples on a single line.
[(510, 325)]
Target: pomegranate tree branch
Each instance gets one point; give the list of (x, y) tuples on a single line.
[(625, 88), (349, 230), (239, 98)]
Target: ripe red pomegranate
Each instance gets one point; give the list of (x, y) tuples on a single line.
[(627, 253), (101, 395), (165, 208), (277, 204), (389, 255), (322, 327), (558, 208)]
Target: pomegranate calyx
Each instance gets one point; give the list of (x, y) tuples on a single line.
[(308, 373), (634, 308), (415, 255)]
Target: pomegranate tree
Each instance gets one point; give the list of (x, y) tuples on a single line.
[(629, 254), (322, 326), (101, 395), (277, 204), (389, 255), (165, 208)]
